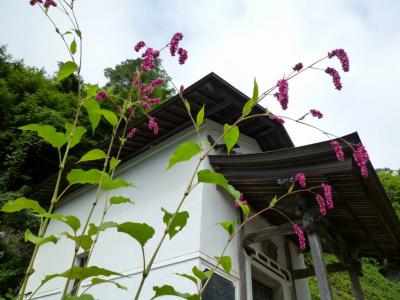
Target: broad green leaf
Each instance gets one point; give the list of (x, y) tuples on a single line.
[(255, 91), (225, 262), (72, 47), (120, 200), (23, 203), (91, 89), (231, 136), (48, 133), (93, 155), (179, 222), (291, 187), (81, 273), (190, 277), (81, 297), (66, 70), (234, 193), (167, 290), (112, 184), (29, 236), (208, 176), (273, 202), (247, 107), (202, 275), (96, 281), (245, 209), (187, 105), (183, 152), (79, 132), (114, 163), (79, 176), (70, 220), (84, 241), (93, 110), (230, 227), (141, 232), (200, 117), (109, 116)]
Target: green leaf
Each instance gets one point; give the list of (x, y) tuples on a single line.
[(81, 297), (255, 91), (200, 117), (109, 116), (66, 70), (302, 117), (79, 176), (141, 232), (93, 155), (245, 209), (187, 105), (183, 152), (96, 281), (231, 136), (70, 220), (72, 47), (78, 33), (120, 200), (230, 227), (112, 184), (167, 290), (273, 202), (114, 163), (79, 132), (91, 89), (291, 187), (29, 236), (93, 110), (200, 274), (190, 277), (81, 273), (234, 193), (84, 241), (225, 262), (23, 203), (208, 176), (179, 222), (251, 102), (48, 133)]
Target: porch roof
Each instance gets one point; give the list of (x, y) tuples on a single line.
[(363, 214)]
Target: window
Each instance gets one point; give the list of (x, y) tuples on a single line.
[(219, 288)]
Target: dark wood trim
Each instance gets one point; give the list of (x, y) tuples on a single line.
[(289, 265), (309, 272), (242, 261)]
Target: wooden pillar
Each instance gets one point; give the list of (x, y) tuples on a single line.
[(319, 266), (289, 265), (242, 261), (356, 284)]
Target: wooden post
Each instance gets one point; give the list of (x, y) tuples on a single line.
[(319, 266), (289, 265), (356, 284), (242, 261)]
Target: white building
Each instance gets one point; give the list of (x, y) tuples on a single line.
[(261, 271)]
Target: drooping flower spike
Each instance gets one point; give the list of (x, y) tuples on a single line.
[(328, 195), (301, 179), (342, 56), (338, 150), (174, 44), (300, 235), (316, 113), (321, 203), (282, 95), (277, 119), (298, 67), (335, 77), (102, 95), (361, 157)]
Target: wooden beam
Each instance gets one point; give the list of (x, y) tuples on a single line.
[(319, 266), (355, 283), (308, 272), (269, 232)]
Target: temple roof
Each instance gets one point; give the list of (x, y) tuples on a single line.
[(363, 215)]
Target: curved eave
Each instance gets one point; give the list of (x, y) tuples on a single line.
[(363, 214)]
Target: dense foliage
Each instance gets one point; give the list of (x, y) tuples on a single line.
[(29, 95)]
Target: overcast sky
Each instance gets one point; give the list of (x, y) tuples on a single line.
[(242, 39)]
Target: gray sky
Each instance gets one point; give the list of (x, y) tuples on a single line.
[(242, 39)]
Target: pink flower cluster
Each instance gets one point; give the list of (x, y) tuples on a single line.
[(342, 56), (335, 77), (157, 82), (338, 150), (131, 133), (139, 46), (240, 202), (277, 119), (361, 157), (46, 4), (321, 203), (298, 67), (174, 44), (149, 57), (153, 125), (301, 179), (102, 95), (33, 2), (300, 234), (326, 201), (282, 94), (316, 113), (183, 55)]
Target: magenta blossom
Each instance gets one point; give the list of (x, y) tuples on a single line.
[(49, 3), (282, 94), (33, 2), (300, 235), (153, 125), (148, 59), (131, 133), (361, 157), (181, 88), (139, 46), (174, 44), (321, 203), (328, 195), (335, 77), (338, 150), (241, 201), (154, 100), (183, 55), (102, 95), (149, 90), (119, 108), (301, 179), (298, 67), (277, 119), (316, 113), (342, 56), (157, 82)]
